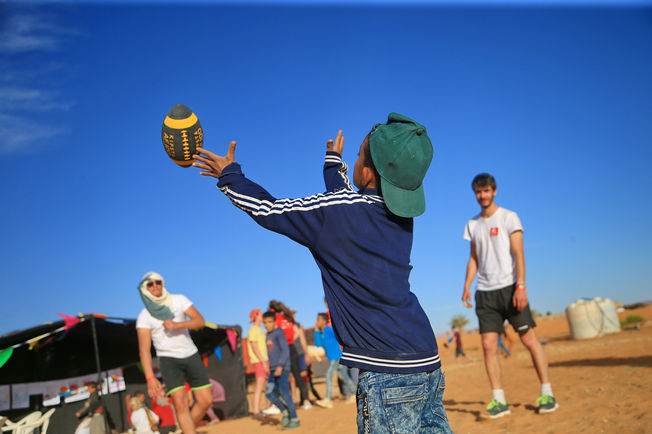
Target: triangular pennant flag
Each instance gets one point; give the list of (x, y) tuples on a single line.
[(70, 321), (5, 355), (218, 352), (232, 338)]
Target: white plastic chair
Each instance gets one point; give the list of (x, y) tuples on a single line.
[(13, 426), (42, 422)]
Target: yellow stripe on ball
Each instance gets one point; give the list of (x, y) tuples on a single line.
[(184, 163), (180, 124)]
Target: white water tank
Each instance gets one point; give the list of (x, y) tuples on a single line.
[(610, 321), (592, 318)]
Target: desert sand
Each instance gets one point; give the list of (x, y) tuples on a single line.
[(602, 385)]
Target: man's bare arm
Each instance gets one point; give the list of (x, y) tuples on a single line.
[(471, 270), (259, 355), (195, 322), (154, 388), (302, 338), (516, 248)]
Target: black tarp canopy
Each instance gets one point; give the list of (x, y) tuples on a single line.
[(50, 352), (70, 353)]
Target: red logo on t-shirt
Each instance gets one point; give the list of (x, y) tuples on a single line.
[(493, 232)]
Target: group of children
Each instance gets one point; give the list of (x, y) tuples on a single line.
[(273, 354)]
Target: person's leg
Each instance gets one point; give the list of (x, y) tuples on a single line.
[(211, 414), (293, 385), (312, 385), (180, 402), (258, 393), (491, 361), (272, 388), (529, 339), (332, 367), (348, 383), (197, 378), (491, 310), (296, 373), (504, 348), (173, 371), (303, 370), (353, 374), (203, 400), (284, 390), (259, 370), (405, 403)]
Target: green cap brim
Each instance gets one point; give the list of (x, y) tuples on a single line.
[(403, 203)]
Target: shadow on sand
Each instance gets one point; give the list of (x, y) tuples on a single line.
[(451, 405), (642, 361), (269, 420)]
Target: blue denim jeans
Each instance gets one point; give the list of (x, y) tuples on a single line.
[(401, 403), (281, 385), (342, 373)]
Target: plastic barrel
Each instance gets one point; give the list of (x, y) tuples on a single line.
[(584, 319), (610, 321)]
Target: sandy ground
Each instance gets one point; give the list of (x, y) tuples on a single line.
[(602, 385)]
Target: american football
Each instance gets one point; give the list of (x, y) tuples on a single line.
[(182, 134)]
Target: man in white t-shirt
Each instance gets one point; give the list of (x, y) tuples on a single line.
[(496, 237), (163, 322)]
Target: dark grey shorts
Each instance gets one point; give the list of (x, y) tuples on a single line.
[(190, 370), (495, 306)]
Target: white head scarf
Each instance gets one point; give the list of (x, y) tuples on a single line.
[(159, 307)]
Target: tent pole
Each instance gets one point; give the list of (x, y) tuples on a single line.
[(100, 383)]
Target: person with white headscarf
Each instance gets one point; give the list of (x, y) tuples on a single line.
[(165, 322)]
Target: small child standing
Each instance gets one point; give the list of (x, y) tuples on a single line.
[(278, 382), (325, 337)]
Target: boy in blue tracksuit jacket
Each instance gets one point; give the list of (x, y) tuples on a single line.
[(278, 382), (361, 242)]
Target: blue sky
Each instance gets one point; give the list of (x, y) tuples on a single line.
[(555, 102)]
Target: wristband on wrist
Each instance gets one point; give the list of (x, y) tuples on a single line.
[(520, 287), (148, 379)]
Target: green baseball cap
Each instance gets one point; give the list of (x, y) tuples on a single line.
[(401, 151)]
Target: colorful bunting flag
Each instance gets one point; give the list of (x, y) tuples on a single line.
[(232, 338), (69, 320), (5, 355)]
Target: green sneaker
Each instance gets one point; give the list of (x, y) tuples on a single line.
[(547, 404), (497, 409), (292, 424)]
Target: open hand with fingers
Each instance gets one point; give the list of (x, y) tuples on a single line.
[(213, 164), (338, 145)]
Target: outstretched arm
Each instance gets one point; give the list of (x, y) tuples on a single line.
[(335, 169), (299, 219)]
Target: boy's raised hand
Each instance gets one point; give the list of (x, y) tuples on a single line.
[(338, 146), (213, 163)]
